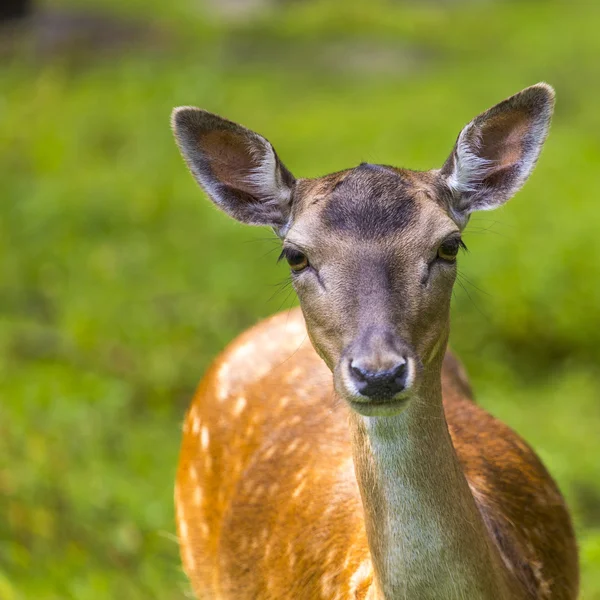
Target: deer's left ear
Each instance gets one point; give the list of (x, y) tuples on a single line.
[(497, 151), (236, 167)]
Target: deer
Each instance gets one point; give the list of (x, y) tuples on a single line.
[(336, 451)]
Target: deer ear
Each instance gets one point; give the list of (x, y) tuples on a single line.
[(497, 151), (238, 169)]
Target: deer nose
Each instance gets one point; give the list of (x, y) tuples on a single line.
[(380, 385)]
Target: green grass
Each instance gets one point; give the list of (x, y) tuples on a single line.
[(119, 281)]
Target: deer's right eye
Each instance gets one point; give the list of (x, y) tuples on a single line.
[(296, 259)]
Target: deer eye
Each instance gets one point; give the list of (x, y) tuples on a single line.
[(449, 249), (297, 260)]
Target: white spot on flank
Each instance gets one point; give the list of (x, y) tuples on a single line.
[(204, 438), (193, 473), (294, 373), (327, 585), (295, 327), (198, 496), (240, 405), (223, 381), (299, 489), (244, 350), (359, 576), (270, 452), (196, 425), (301, 473), (291, 447), (183, 529), (189, 558), (291, 554)]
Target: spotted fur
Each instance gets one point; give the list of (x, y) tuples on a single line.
[(291, 482)]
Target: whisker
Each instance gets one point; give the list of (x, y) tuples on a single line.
[(487, 230), (479, 310), (465, 279), (274, 249), (280, 288), (294, 352), (272, 238), (481, 218), (285, 299)]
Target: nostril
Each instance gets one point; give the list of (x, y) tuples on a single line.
[(399, 371), (359, 374)]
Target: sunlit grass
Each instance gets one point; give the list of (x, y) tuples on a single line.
[(120, 281)]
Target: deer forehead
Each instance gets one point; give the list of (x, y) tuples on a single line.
[(373, 205)]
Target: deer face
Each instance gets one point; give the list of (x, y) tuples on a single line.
[(372, 254), (372, 250)]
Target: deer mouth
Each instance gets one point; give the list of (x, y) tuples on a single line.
[(379, 408)]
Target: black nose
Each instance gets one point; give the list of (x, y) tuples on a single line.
[(380, 385)]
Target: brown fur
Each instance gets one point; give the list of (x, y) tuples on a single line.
[(391, 483), (252, 537)]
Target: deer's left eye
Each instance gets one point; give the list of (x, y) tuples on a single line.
[(449, 248)]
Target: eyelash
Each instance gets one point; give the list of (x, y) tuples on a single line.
[(285, 254)]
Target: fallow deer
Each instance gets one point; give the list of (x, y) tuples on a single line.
[(385, 481)]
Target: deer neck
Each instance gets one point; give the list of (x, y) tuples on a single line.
[(426, 536)]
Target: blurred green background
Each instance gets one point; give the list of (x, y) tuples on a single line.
[(119, 281)]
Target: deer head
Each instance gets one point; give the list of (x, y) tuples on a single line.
[(372, 249)]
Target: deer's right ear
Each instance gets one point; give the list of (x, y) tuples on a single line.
[(237, 168)]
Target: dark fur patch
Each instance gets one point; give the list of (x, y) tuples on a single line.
[(372, 201)]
